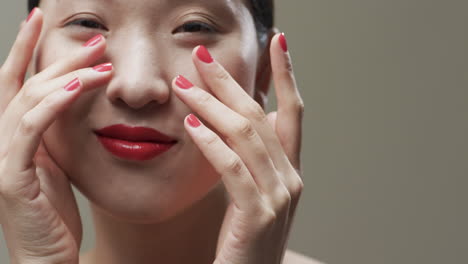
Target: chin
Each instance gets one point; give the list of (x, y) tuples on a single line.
[(145, 198), (149, 205)]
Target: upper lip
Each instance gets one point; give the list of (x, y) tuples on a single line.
[(134, 133)]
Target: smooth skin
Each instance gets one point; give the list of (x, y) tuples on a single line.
[(257, 155)]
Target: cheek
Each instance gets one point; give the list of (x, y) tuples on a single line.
[(49, 51), (241, 63), (244, 72)]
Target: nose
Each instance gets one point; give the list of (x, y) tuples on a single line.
[(139, 78)]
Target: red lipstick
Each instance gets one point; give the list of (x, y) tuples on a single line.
[(134, 143)]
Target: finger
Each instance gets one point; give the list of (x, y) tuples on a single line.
[(35, 122), (28, 99), (290, 104), (84, 56), (229, 92), (93, 76), (238, 132), (16, 64), (287, 120), (30, 95), (235, 175)]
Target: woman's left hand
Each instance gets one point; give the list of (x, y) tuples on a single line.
[(259, 158)]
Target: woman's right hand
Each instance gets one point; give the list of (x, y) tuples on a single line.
[(38, 210)]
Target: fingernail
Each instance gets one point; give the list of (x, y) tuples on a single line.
[(73, 85), (93, 41), (193, 121), (105, 67), (283, 42), (204, 55), (31, 14), (183, 83)]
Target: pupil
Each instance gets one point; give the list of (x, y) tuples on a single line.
[(87, 23), (192, 27)]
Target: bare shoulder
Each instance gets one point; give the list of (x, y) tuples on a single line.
[(292, 257)]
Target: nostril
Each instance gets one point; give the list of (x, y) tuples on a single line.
[(136, 105), (138, 86)]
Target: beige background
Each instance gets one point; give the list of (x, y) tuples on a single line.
[(385, 148)]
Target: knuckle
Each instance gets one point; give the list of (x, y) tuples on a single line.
[(244, 129), (222, 75), (211, 140), (288, 66), (255, 111), (49, 101), (30, 82), (268, 217), (297, 187), (29, 95), (234, 165), (204, 99), (283, 196), (27, 126), (299, 106), (280, 198)]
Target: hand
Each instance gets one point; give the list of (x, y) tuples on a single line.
[(38, 210), (257, 155)]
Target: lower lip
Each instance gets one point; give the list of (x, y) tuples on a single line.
[(129, 150)]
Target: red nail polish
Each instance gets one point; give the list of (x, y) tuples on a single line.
[(193, 121), (183, 83), (105, 67), (73, 85), (93, 41), (204, 55), (31, 14), (283, 42)]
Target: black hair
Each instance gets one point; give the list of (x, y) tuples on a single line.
[(32, 4), (262, 12)]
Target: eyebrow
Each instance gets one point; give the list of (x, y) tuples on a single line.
[(227, 8), (218, 4)]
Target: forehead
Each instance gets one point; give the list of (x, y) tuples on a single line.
[(153, 10), (144, 3)]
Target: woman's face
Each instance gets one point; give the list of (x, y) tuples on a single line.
[(149, 43)]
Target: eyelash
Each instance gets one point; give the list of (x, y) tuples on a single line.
[(87, 23), (189, 27)]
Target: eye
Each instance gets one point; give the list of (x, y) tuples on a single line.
[(195, 27), (87, 23)]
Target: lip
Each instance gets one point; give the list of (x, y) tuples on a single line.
[(134, 143)]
